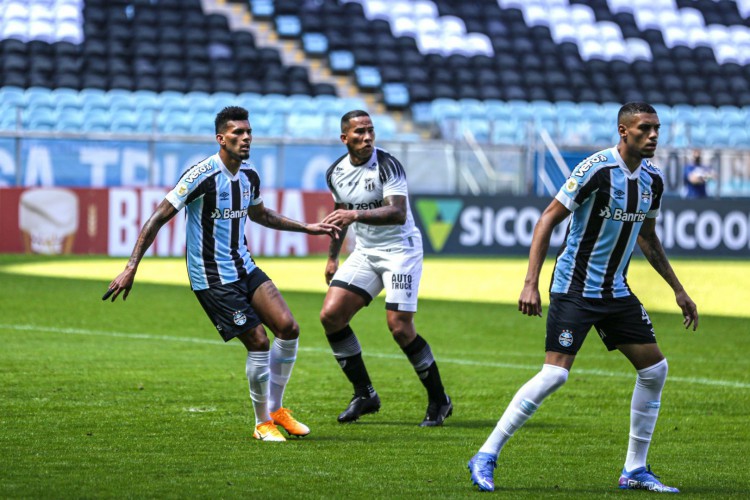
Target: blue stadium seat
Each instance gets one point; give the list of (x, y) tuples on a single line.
[(220, 100), (176, 124), (202, 123), (197, 101), (444, 108), (300, 103), (9, 92), (511, 132), (341, 61), (70, 120), (315, 44), (368, 77), (124, 122), (472, 108), (251, 101), (38, 95), (305, 125), (478, 127), (421, 113), (497, 110), (96, 122), (269, 124), (396, 95), (41, 121), (288, 26), (385, 127)]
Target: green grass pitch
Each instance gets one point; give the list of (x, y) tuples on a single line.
[(142, 400)]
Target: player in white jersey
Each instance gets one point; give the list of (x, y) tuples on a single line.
[(219, 194), (614, 197), (370, 194)]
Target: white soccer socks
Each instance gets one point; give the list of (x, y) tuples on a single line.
[(256, 369), (526, 401), (644, 410), (283, 356)]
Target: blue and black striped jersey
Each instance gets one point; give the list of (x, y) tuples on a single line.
[(216, 204), (609, 205)]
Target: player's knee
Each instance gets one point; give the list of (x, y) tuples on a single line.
[(331, 321), (402, 333), (254, 341), (554, 376), (655, 375), (288, 330)]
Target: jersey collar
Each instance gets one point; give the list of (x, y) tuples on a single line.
[(372, 162), (621, 163), (225, 170)]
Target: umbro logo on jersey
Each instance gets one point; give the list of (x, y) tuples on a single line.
[(619, 194), (224, 196)]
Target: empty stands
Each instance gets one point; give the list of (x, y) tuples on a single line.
[(509, 66)]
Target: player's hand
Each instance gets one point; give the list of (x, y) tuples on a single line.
[(689, 309), (323, 228), (340, 218), (121, 284), (530, 302), (331, 267)]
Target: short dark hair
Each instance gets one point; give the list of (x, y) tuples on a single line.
[(356, 113), (228, 114), (633, 108)]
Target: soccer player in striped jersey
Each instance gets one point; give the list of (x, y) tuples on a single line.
[(219, 194), (370, 194), (614, 197)]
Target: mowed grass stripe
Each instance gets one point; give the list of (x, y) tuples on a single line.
[(482, 280), (466, 362)]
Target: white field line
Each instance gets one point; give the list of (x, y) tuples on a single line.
[(466, 362)]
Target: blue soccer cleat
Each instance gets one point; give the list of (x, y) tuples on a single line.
[(482, 467), (643, 479)]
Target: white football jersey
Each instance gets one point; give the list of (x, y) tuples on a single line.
[(364, 187)]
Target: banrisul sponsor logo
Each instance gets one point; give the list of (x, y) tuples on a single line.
[(438, 217)]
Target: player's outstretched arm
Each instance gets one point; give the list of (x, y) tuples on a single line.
[(124, 281), (269, 218), (530, 302), (332, 264), (392, 213), (652, 249)]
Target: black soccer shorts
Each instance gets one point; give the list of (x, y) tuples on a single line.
[(228, 306), (621, 320)]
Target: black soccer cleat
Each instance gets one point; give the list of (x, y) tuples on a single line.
[(437, 413), (358, 406)]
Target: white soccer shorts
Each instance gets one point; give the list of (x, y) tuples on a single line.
[(398, 272)]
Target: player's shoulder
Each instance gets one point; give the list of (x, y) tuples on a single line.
[(201, 170), (650, 168), (593, 163), (336, 166), (384, 155), (248, 170), (388, 165)]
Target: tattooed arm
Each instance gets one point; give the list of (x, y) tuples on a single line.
[(651, 247), (124, 281), (334, 248), (392, 213), (269, 218)]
